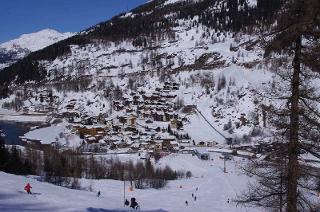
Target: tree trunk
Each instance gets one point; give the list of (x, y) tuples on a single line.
[(281, 190), (293, 164)]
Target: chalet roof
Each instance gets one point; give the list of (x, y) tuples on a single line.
[(118, 142), (135, 145), (96, 126), (156, 93), (128, 116), (158, 141), (166, 137), (166, 90), (128, 98), (159, 112), (71, 112), (146, 112), (184, 141), (173, 142), (91, 138), (134, 136), (114, 138), (108, 119), (130, 142)]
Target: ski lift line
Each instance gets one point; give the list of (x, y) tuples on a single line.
[(215, 129)]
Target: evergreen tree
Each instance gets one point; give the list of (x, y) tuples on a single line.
[(4, 155), (15, 164), (296, 37), (169, 129), (299, 22)]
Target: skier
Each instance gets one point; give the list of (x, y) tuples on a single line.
[(197, 189), (192, 194), (126, 203), (195, 198), (186, 203), (134, 204), (28, 188), (228, 201), (98, 194)]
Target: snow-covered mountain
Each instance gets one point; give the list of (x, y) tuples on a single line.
[(15, 49), (204, 55), (185, 80)]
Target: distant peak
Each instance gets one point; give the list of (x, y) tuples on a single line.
[(37, 40), (177, 1), (49, 32)]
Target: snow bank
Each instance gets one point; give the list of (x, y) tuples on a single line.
[(55, 133)]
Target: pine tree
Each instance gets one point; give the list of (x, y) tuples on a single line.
[(15, 165), (169, 129), (4, 155), (296, 37), (299, 22)]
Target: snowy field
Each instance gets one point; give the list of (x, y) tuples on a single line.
[(55, 133), (214, 189), (10, 115)]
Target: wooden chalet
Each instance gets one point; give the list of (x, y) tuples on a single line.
[(90, 130)]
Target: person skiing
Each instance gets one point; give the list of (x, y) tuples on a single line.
[(98, 194), (28, 188), (134, 204), (126, 203), (195, 198), (192, 195), (186, 203)]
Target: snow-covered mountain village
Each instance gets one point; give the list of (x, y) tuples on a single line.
[(175, 105)]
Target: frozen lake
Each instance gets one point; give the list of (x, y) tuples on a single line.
[(12, 131)]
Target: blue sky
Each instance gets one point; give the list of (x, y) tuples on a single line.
[(26, 16)]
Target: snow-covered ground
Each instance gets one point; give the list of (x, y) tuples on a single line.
[(10, 115), (200, 130), (23, 118), (214, 189), (56, 133)]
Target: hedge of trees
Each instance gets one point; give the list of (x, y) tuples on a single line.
[(64, 168), (67, 167), (11, 161)]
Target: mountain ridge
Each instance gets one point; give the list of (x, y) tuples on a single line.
[(146, 23), (15, 49), (205, 47)]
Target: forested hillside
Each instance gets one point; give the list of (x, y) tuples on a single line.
[(145, 26)]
